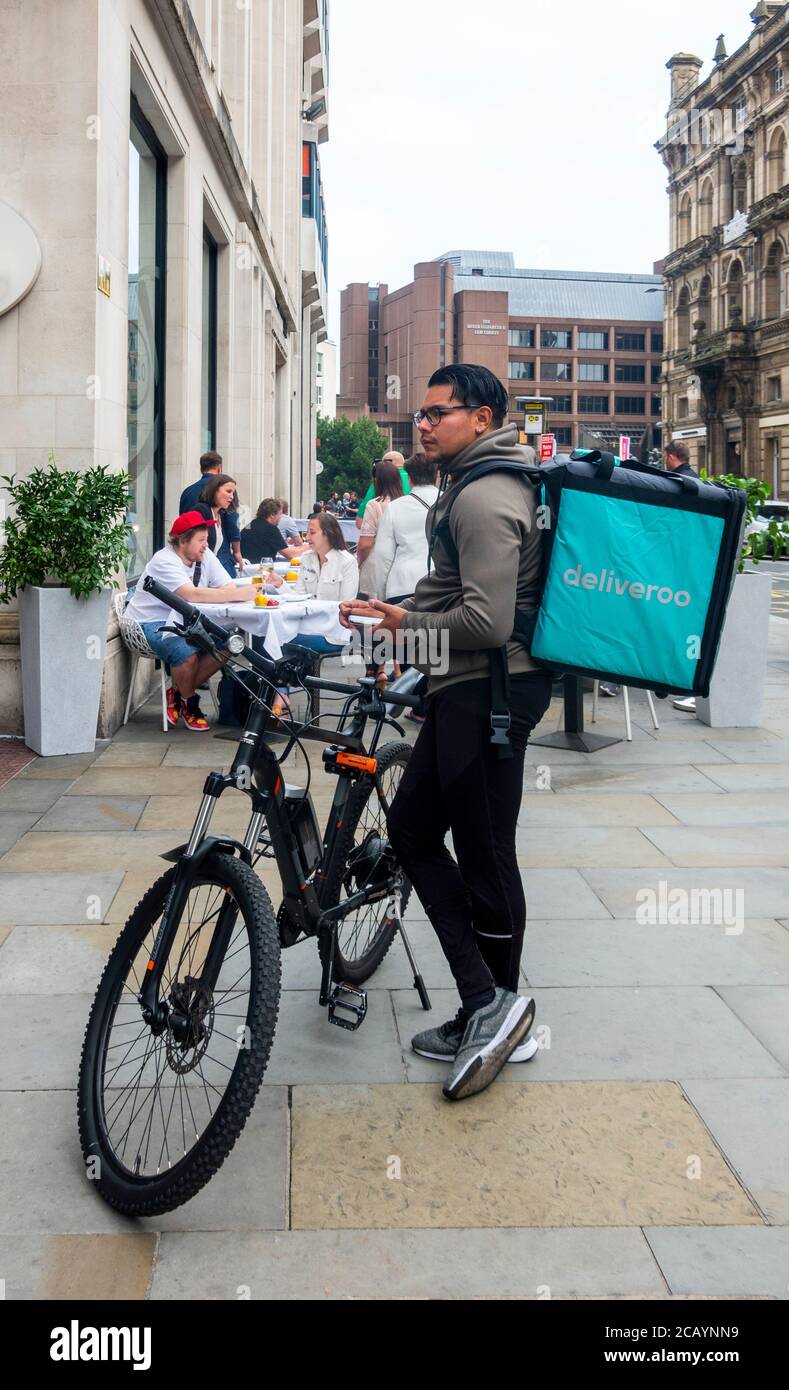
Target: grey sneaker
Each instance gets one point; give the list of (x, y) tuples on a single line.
[(491, 1036), (441, 1044)]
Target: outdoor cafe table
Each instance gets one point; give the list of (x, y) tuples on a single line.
[(316, 617)]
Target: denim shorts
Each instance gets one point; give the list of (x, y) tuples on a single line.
[(173, 651)]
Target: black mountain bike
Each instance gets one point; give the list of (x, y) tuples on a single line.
[(183, 1020)]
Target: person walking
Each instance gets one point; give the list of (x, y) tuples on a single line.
[(388, 487), (456, 780)]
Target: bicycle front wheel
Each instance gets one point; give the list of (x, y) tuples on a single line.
[(160, 1111), (364, 936)]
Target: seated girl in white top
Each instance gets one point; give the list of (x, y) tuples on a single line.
[(327, 571)]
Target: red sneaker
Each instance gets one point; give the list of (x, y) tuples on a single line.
[(195, 719), (174, 710)]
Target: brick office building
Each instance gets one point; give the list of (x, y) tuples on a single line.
[(592, 342)]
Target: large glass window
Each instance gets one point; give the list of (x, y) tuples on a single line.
[(522, 337), (631, 342), (562, 405), (521, 371), (589, 341), (557, 338), (630, 405), (593, 405), (564, 434), (208, 388), (145, 402), (557, 371), (657, 342), (592, 371), (631, 374)]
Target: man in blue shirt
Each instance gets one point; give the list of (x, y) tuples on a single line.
[(211, 462)]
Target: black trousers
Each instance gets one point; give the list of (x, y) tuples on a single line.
[(456, 781)]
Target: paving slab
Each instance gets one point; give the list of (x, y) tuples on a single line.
[(5, 932), (562, 953), (41, 1040), (576, 810), (771, 751), (140, 781), (216, 753), (128, 754), (28, 794), (301, 967), (750, 1122), (231, 816), (423, 1264), (763, 1008), (308, 1048), (55, 960), (13, 825), (603, 1154), (727, 845), (79, 1267), (629, 780), (592, 847), (56, 898), (749, 777), (606, 1033), (94, 814), (552, 893), (45, 851), (652, 751), (71, 765), (765, 891), (723, 1262), (735, 808)]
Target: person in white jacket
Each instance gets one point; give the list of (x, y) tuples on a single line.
[(327, 571), (401, 543)]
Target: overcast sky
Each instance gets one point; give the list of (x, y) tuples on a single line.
[(504, 125)]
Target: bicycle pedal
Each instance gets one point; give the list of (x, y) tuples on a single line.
[(351, 1001)]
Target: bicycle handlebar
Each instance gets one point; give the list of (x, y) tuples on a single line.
[(273, 670)]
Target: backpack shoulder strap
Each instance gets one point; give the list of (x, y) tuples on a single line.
[(441, 529)]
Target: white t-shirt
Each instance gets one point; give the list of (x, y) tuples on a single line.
[(168, 568)]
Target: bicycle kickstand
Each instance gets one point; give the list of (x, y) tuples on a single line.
[(419, 984)]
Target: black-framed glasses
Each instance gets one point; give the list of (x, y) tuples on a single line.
[(435, 413)]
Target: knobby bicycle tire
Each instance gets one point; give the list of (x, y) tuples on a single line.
[(151, 1196), (355, 970)]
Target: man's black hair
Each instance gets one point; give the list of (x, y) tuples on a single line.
[(472, 385)]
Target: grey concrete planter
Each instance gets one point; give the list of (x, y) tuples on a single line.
[(736, 698), (63, 641)]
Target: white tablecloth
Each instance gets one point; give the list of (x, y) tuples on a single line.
[(316, 617)]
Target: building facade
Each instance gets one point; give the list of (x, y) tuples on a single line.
[(593, 343), (727, 324), (166, 156), (326, 380)]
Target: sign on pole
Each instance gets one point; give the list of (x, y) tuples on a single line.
[(548, 448), (624, 447)]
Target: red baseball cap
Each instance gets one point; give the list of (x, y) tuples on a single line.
[(187, 521)]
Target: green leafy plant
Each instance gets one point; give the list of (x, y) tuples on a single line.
[(348, 452), (767, 543), (68, 530)]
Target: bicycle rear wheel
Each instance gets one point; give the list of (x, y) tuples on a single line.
[(364, 936), (160, 1112)]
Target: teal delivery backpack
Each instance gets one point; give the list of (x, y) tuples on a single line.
[(639, 566)]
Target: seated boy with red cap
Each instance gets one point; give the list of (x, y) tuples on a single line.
[(187, 567)]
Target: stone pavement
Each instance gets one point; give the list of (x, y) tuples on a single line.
[(642, 1154)]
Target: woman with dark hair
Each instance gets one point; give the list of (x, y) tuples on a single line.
[(217, 500), (327, 571), (401, 543), (388, 487)]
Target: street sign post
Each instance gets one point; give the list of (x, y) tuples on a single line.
[(624, 447), (547, 448)]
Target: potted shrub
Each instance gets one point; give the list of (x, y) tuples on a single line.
[(736, 698), (62, 550)]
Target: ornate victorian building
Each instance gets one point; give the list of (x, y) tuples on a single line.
[(726, 364)]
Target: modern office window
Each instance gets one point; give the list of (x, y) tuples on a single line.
[(522, 371), (564, 434), (208, 382), (630, 405), (656, 405), (146, 341), (589, 341), (562, 405), (633, 374), (657, 372), (522, 337), (592, 405), (592, 371), (557, 371), (557, 338), (657, 342), (631, 342)]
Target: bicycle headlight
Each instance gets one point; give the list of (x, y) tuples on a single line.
[(235, 644)]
